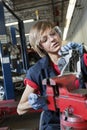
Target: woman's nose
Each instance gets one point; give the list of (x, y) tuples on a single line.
[(51, 38)]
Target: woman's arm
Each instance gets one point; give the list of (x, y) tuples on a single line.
[(23, 105)]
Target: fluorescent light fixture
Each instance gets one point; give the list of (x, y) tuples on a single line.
[(15, 23), (69, 14), (17, 35), (29, 20), (10, 24), (27, 34)]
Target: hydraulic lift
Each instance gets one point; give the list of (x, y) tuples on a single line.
[(8, 105)]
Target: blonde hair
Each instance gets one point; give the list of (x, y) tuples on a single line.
[(35, 35)]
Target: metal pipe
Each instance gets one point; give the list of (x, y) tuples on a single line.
[(11, 11)]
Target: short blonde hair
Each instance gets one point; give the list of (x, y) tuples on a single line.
[(35, 35)]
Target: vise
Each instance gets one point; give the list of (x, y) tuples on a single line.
[(61, 93)]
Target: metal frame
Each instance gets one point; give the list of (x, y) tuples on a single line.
[(5, 62), (22, 38)]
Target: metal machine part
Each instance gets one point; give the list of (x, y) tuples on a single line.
[(70, 62), (62, 94)]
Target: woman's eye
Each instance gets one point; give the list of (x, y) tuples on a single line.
[(44, 39), (52, 33)]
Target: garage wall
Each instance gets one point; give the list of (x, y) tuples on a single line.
[(80, 33)]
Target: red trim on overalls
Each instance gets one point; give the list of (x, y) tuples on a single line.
[(85, 58)]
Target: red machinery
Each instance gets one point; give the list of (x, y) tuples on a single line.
[(7, 107), (62, 93)]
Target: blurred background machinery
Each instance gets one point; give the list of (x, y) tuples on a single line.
[(15, 59)]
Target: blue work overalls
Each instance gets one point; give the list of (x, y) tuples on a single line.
[(42, 69)]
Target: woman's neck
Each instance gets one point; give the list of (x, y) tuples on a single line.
[(54, 58)]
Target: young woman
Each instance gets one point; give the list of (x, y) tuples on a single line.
[(47, 42), (46, 39)]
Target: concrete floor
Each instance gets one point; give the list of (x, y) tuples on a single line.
[(29, 121)]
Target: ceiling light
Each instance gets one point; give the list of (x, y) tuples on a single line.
[(27, 34), (10, 24), (29, 20), (15, 23)]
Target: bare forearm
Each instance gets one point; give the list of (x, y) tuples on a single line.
[(23, 105), (23, 108)]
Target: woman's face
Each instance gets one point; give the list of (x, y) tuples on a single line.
[(50, 41)]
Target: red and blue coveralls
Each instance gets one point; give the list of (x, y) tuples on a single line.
[(44, 69)]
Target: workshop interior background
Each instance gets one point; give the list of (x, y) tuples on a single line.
[(17, 55)]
